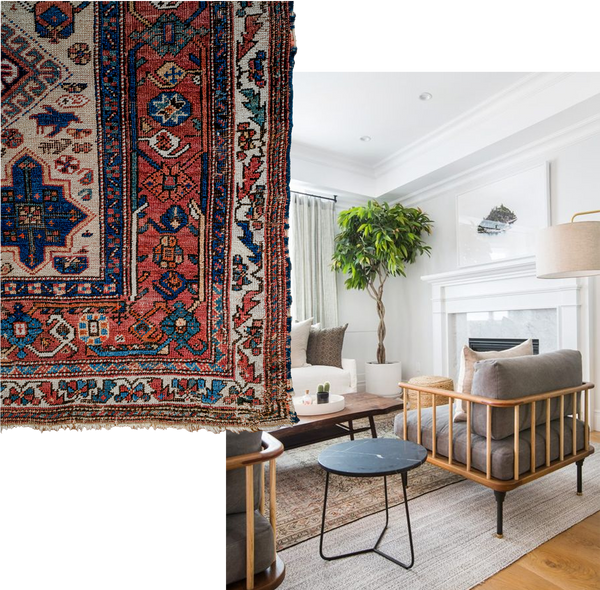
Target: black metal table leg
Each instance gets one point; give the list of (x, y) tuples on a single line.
[(351, 429), (375, 548), (373, 429)]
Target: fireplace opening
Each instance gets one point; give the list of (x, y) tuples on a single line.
[(496, 344)]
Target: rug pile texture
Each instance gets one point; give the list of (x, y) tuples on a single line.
[(145, 162)]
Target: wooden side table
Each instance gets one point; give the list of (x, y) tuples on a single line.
[(314, 429)]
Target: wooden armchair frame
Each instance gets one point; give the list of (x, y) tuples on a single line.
[(500, 487), (275, 573)]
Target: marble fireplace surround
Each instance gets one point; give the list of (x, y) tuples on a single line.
[(507, 286)]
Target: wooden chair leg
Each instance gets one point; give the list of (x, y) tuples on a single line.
[(499, 514), (580, 477)]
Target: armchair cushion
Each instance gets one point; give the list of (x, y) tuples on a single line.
[(241, 444), (502, 450), (264, 545), (512, 378)]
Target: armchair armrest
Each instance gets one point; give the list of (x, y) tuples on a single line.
[(498, 403), (350, 365), (271, 449)]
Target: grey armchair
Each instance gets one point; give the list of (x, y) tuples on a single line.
[(251, 557), (526, 417)]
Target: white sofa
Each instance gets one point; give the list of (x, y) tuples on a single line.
[(342, 380)]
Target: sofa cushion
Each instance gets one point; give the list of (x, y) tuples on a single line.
[(468, 358), (517, 377), (235, 553), (502, 450), (325, 346), (241, 444), (298, 342)]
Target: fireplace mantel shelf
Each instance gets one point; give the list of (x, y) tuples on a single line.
[(522, 267)]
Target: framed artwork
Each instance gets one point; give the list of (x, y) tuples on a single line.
[(499, 221)]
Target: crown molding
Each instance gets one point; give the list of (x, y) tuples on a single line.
[(515, 159), (307, 153), (522, 89)]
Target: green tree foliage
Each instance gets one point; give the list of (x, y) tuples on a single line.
[(375, 242)]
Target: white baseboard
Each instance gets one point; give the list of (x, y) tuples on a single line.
[(596, 421)]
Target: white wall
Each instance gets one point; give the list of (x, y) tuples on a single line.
[(357, 309), (575, 186)]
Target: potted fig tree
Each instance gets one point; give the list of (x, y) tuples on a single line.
[(375, 242)]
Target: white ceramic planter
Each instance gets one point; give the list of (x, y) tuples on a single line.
[(383, 379)]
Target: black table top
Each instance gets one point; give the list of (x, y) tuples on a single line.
[(372, 457)]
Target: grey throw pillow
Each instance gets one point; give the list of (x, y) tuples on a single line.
[(519, 377), (325, 346)]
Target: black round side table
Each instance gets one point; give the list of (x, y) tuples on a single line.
[(377, 457)]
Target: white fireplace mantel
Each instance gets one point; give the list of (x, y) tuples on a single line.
[(506, 286)]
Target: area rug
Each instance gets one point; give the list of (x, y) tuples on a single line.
[(301, 485), (145, 150), (455, 548)]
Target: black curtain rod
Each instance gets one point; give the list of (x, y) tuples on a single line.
[(334, 198)]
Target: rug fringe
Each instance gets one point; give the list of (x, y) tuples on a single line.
[(190, 427), (263, 426), (104, 428)]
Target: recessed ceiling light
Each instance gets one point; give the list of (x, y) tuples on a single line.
[(366, 138), (426, 96)]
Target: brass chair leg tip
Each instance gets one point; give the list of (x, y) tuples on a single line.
[(580, 493), (499, 536)]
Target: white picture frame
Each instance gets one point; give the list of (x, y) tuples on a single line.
[(499, 221)]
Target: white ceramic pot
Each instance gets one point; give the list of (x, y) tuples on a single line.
[(383, 379)]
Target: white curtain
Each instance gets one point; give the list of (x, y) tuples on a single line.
[(312, 232)]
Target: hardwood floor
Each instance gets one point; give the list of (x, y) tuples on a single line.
[(569, 561)]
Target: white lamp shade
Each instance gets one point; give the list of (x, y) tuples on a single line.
[(568, 250)]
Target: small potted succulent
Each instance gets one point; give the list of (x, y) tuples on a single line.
[(323, 393)]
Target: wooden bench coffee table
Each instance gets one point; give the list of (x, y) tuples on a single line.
[(314, 429)]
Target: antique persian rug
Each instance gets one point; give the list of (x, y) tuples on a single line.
[(145, 159)]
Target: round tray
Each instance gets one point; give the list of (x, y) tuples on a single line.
[(336, 404)]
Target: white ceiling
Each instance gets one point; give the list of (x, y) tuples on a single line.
[(472, 119), (333, 110)]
